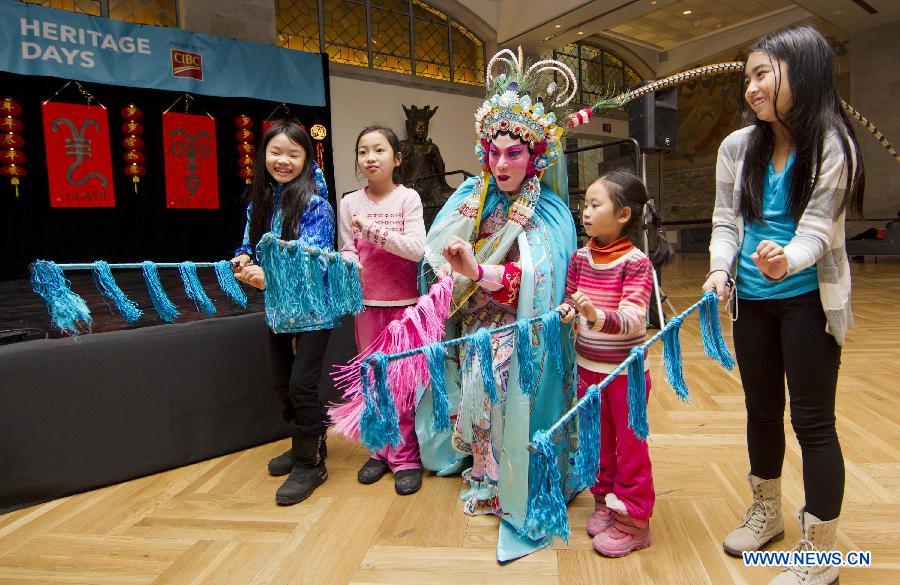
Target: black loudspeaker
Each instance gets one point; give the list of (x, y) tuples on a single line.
[(653, 121)]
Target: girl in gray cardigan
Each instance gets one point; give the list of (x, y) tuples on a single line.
[(783, 185)]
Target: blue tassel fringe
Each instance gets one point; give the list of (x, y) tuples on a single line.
[(166, 310), (550, 327), (378, 425), (547, 514), (440, 409), (194, 289), (527, 379), (587, 459), (229, 285), (637, 395), (711, 329), (108, 287), (66, 308), (672, 358), (482, 342)]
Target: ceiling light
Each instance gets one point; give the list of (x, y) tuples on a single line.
[(581, 33), (686, 12), (558, 25)]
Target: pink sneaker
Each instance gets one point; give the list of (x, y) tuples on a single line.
[(624, 536), (600, 519)]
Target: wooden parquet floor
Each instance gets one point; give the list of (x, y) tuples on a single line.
[(215, 522)]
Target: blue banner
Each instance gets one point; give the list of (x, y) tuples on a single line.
[(55, 43)]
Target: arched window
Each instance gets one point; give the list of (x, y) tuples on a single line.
[(155, 12), (402, 36), (600, 72)]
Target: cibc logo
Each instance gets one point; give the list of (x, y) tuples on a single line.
[(186, 64)]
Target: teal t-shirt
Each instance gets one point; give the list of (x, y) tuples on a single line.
[(779, 226)]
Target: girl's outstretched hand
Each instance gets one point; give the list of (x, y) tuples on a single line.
[(770, 259), (458, 253), (717, 281)]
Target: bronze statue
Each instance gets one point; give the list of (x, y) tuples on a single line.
[(423, 167)]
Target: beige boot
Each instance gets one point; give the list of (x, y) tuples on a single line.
[(762, 522), (816, 535)]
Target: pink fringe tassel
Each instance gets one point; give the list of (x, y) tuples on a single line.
[(421, 324)]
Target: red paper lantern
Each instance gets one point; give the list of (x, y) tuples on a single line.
[(132, 128), (11, 142), (134, 145), (135, 171), (10, 107), (12, 157), (134, 157), (245, 147), (131, 113)]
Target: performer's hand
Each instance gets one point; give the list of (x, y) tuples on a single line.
[(254, 276), (584, 306), (461, 258), (770, 259), (718, 282), (566, 312), (359, 220)]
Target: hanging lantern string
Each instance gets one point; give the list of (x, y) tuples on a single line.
[(188, 100)]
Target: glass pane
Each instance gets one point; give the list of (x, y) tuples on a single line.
[(396, 5), (91, 7), (297, 23), (468, 57), (345, 32), (432, 40), (591, 77), (154, 12), (390, 41), (613, 79)]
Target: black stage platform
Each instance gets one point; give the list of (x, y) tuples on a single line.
[(131, 400)]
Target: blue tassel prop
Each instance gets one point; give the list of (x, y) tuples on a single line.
[(315, 279), (338, 285), (482, 342), (527, 379), (550, 327), (194, 290), (229, 285), (587, 460), (353, 294), (637, 395), (711, 329), (378, 425), (440, 409), (107, 286), (164, 307), (66, 308), (547, 514), (672, 358)]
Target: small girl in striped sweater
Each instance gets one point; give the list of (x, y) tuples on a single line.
[(608, 286)]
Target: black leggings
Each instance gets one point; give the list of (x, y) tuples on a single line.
[(777, 337), (297, 377)]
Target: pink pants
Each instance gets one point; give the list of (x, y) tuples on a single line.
[(625, 468), (368, 326)]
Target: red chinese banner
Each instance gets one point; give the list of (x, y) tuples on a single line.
[(79, 163), (192, 178)]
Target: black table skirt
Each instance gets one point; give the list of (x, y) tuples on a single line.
[(109, 407)]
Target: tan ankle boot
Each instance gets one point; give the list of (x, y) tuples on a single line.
[(763, 522), (816, 535)]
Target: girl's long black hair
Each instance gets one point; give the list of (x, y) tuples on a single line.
[(814, 113), (295, 195), (626, 190)]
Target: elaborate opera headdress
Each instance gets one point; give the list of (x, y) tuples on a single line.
[(528, 104)]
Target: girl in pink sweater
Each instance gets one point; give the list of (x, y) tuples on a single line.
[(608, 286), (382, 230)]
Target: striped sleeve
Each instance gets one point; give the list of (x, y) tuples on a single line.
[(630, 317)]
